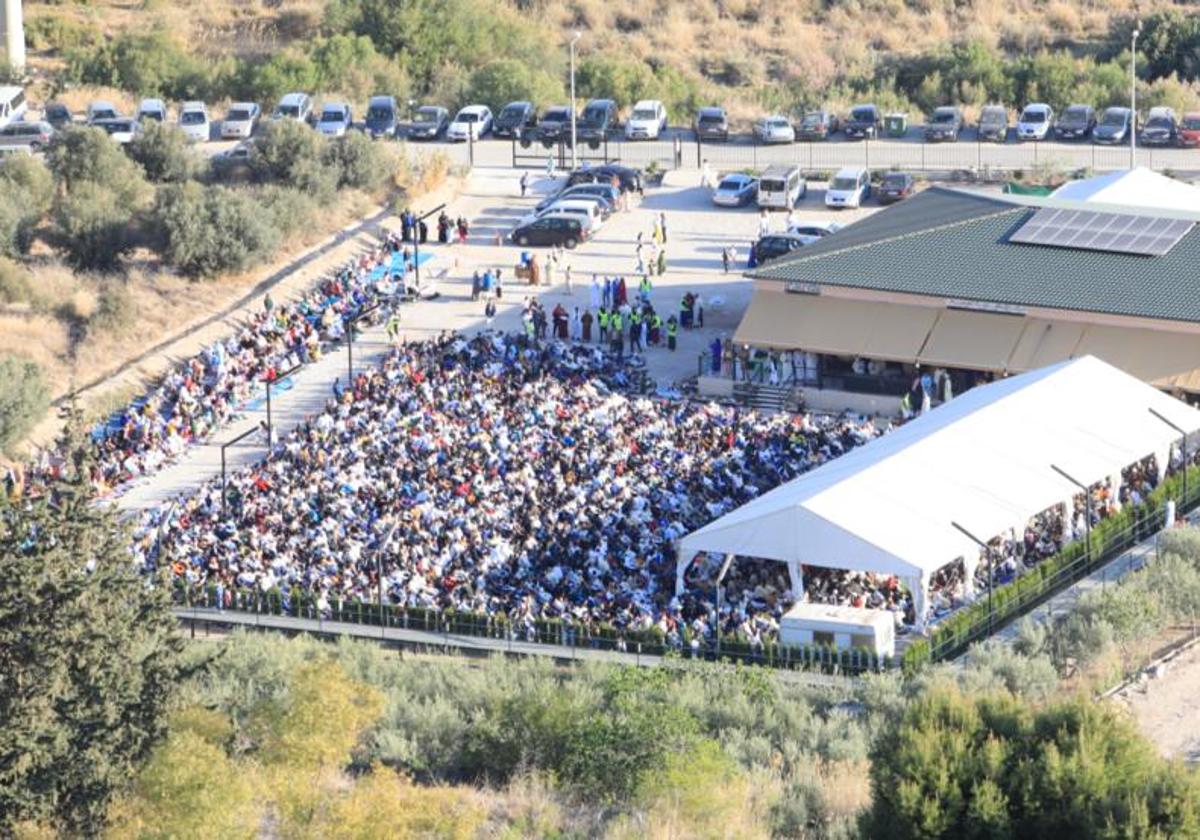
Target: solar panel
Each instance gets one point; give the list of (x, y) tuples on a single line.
[(1113, 232)]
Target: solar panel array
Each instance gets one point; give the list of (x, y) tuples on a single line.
[(1090, 231)]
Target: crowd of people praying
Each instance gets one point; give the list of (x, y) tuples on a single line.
[(492, 475)]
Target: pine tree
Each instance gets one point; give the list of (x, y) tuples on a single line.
[(89, 654)]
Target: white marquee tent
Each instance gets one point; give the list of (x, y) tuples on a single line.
[(982, 460), (1139, 188)]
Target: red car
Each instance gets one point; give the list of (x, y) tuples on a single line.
[(895, 186), (1189, 129)]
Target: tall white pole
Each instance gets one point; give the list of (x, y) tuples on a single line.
[(14, 31), (1133, 100), (574, 38)]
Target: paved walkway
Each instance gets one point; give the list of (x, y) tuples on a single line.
[(697, 232)]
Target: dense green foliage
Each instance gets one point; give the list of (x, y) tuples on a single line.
[(164, 153), (205, 231), (90, 657), (24, 398), (959, 766)]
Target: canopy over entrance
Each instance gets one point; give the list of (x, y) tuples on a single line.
[(984, 460)]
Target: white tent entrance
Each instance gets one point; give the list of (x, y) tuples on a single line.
[(985, 459)]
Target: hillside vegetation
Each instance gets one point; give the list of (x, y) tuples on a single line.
[(751, 55)]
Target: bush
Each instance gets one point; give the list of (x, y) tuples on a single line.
[(289, 210), (992, 765), (164, 153), (292, 154), (92, 224), (206, 231), (87, 155), (505, 80), (32, 180), (153, 64), (24, 398), (359, 163)]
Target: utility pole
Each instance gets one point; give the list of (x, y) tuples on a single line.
[(12, 23), (574, 39), (1133, 95)]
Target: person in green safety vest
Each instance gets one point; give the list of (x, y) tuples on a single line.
[(656, 323), (635, 331), (617, 325), (672, 332), (602, 318)]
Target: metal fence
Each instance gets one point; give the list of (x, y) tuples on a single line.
[(682, 149)]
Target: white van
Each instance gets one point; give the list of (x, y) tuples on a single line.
[(589, 211), (12, 105), (850, 187), (781, 187), (193, 119)]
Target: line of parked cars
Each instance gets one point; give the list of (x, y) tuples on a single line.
[(577, 211), (784, 187)]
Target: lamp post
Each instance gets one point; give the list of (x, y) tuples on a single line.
[(379, 574), (1087, 497), (1185, 451), (987, 551), (574, 39), (417, 244), (1133, 94)]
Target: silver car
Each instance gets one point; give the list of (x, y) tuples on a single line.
[(774, 129), (33, 135)]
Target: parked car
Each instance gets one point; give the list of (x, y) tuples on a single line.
[(647, 121), (123, 130), (58, 115), (240, 121), (552, 229), (712, 124), (428, 122), (233, 161), (1035, 122), (193, 119), (781, 187), (1189, 129), (606, 191), (864, 123), (1161, 128), (1075, 123), (555, 124), (34, 135), (993, 123), (597, 119), (101, 110), (295, 106), (629, 180), (817, 125), (152, 109), (776, 245), (814, 230), (896, 186), (13, 104), (515, 119), (383, 117), (735, 190), (589, 207), (470, 123), (1113, 127), (944, 124), (850, 187), (774, 129), (335, 120)]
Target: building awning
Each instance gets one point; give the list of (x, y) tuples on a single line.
[(835, 326), (1045, 342), (1154, 356), (979, 340)]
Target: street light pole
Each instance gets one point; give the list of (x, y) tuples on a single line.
[(729, 558), (1133, 95), (379, 574), (574, 39), (1087, 500), (1185, 453)]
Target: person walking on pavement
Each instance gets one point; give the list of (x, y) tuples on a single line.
[(567, 279), (662, 225), (725, 259), (672, 332), (524, 183), (706, 177), (393, 327)]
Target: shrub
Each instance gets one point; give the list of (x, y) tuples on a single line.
[(293, 155), (32, 181), (164, 153), (92, 224), (16, 286), (505, 80), (205, 231), (87, 155), (289, 210), (154, 64), (24, 398), (359, 162)]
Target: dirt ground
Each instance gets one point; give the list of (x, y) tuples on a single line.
[(1166, 708)]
